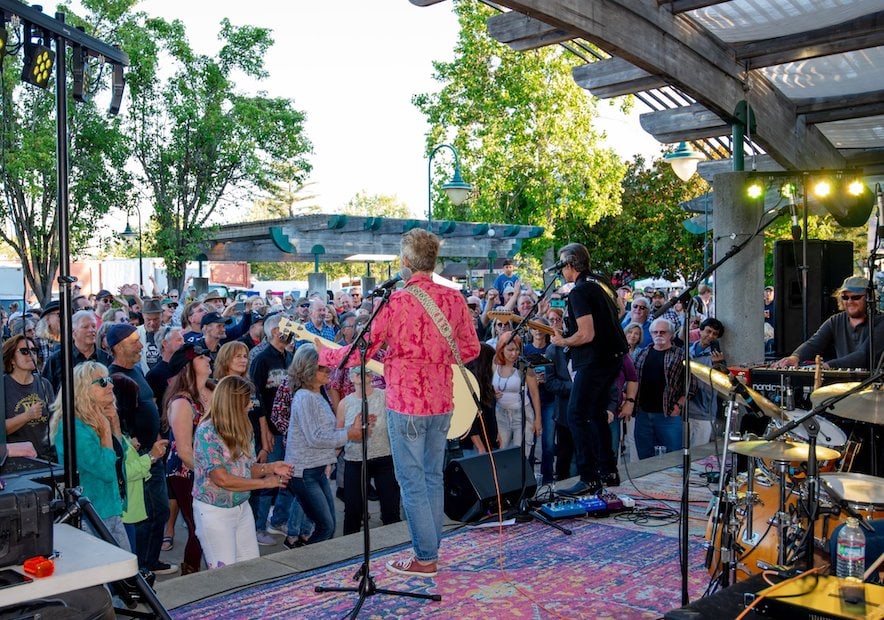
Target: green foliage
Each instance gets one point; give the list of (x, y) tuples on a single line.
[(200, 142), (647, 237), (97, 155), (377, 205), (524, 131), (287, 197)]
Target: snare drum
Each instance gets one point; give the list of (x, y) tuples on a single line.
[(864, 494)]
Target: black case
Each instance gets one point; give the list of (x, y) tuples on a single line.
[(25, 522)]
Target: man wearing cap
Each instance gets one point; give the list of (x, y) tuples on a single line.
[(48, 332), (658, 298), (103, 302), (509, 275), (256, 332), (840, 336), (150, 352), (303, 310), (84, 329), (212, 326), (168, 308), (125, 346)]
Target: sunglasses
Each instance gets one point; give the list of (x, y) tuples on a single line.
[(29, 350), (304, 306), (103, 381), (639, 307), (173, 296), (846, 297), (173, 306)]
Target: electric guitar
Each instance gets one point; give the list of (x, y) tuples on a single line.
[(464, 405)]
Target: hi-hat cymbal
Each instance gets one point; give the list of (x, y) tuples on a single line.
[(782, 450), (867, 405), (721, 383)]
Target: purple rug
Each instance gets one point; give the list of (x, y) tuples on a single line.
[(606, 569)]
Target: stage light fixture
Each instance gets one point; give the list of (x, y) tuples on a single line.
[(38, 61), (79, 74), (4, 38), (117, 87), (822, 188), (755, 190), (788, 190), (856, 188)]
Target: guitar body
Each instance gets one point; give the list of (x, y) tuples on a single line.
[(464, 406)]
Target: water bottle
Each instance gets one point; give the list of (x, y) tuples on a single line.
[(851, 551)]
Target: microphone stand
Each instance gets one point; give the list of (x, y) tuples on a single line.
[(524, 513), (367, 585), (686, 299)]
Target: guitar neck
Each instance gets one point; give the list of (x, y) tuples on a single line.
[(515, 318), (300, 332)]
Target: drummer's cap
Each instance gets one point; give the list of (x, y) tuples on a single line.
[(855, 284)]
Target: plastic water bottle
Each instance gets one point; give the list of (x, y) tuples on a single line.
[(851, 551)]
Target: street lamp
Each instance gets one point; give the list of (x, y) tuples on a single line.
[(128, 235), (456, 189), (684, 161)]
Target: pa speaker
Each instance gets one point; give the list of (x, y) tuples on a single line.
[(828, 263), (470, 492)]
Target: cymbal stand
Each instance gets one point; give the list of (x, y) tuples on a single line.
[(725, 514), (781, 517), (750, 537)]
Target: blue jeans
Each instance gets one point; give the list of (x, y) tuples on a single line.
[(262, 499), (656, 429), (149, 533), (418, 444), (314, 493), (548, 441)]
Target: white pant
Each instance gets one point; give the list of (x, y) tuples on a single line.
[(509, 427), (631, 455), (701, 432), (227, 535)]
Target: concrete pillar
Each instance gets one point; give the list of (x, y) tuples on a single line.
[(739, 282), (317, 284)]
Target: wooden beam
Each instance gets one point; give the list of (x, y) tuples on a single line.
[(826, 109), (523, 33), (763, 163), (855, 34), (682, 6), (692, 122), (614, 77), (695, 62)]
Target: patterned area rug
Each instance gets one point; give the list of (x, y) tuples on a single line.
[(606, 569)]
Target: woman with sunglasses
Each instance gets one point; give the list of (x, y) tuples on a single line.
[(313, 440), (99, 442), (27, 396), (187, 399)]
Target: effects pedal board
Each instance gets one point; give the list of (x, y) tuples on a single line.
[(593, 505)]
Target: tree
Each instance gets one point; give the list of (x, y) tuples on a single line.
[(97, 155), (200, 142), (287, 198), (524, 131), (377, 205)]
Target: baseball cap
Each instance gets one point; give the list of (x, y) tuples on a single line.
[(855, 284), (103, 293), (185, 354), (214, 317), (509, 288), (472, 299), (119, 332)]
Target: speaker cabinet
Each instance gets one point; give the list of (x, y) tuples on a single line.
[(470, 492), (828, 263)]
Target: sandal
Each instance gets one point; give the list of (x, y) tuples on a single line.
[(168, 543)]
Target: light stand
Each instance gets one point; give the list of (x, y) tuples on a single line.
[(367, 586), (524, 513)]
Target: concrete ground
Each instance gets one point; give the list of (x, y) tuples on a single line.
[(277, 562)]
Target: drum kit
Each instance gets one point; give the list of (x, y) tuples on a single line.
[(793, 495)]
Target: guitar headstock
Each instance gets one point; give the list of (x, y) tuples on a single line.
[(288, 327)]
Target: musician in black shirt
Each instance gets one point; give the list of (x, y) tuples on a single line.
[(596, 346)]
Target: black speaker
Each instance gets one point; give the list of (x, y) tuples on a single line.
[(828, 263), (470, 492)]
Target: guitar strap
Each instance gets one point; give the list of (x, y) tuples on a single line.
[(445, 329)]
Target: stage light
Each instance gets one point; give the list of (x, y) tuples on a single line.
[(849, 202), (822, 188), (118, 85), (38, 63), (755, 190), (79, 73), (856, 188), (788, 190)]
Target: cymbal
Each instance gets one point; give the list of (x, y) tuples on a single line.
[(855, 488), (782, 450), (867, 405), (721, 383)]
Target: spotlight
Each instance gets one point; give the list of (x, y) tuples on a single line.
[(78, 70), (788, 190), (755, 190), (38, 63), (118, 85), (852, 203), (856, 188), (822, 189)]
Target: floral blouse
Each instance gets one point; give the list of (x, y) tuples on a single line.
[(210, 452)]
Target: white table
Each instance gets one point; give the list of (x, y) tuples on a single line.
[(85, 561)]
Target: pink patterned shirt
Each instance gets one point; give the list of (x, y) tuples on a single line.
[(417, 366)]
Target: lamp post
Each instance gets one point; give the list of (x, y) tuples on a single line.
[(128, 235), (684, 161), (456, 189)]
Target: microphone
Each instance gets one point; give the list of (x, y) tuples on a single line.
[(403, 274), (557, 267), (796, 229), (741, 391)]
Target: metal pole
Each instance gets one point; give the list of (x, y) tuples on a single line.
[(430, 180), (140, 256)]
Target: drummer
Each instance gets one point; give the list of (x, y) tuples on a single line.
[(842, 335)]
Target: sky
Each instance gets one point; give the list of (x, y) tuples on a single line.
[(353, 67)]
